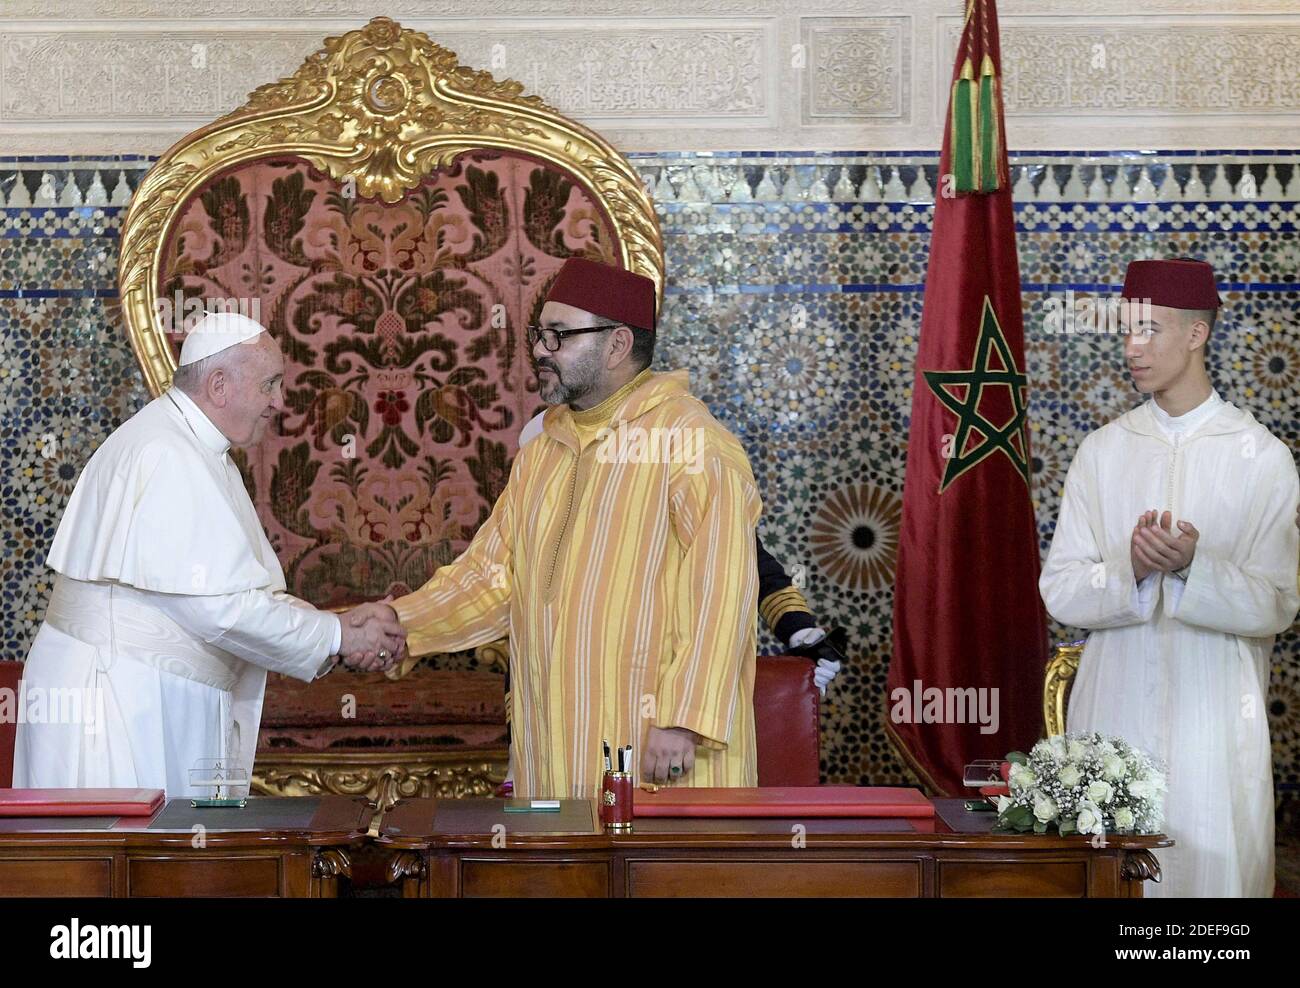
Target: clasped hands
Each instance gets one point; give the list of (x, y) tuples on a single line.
[(1153, 546), (373, 638)]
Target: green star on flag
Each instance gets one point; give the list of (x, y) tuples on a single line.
[(962, 392)]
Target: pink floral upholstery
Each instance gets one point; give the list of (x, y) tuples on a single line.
[(407, 375)]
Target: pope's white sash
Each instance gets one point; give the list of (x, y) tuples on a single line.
[(113, 619), (119, 623)]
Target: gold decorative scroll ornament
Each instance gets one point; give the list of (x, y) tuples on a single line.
[(1061, 670), (382, 107)]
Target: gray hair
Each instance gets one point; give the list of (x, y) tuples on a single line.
[(191, 378)]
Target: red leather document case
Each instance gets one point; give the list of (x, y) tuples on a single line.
[(80, 802), (784, 801)]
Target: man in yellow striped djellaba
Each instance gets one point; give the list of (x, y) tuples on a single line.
[(619, 560)]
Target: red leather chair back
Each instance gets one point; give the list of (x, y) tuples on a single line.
[(786, 706), (10, 673)]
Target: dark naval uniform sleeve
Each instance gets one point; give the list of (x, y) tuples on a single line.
[(780, 604)]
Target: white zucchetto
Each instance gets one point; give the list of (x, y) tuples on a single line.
[(215, 332)]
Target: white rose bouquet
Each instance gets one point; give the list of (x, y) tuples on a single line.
[(1082, 784)]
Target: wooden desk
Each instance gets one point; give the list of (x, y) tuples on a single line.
[(277, 847), (472, 848)]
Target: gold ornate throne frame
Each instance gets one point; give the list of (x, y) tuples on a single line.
[(383, 107)]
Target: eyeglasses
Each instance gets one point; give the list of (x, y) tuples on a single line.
[(552, 338)]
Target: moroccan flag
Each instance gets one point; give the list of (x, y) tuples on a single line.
[(970, 638)]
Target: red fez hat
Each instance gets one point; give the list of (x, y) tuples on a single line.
[(1178, 284), (606, 291)]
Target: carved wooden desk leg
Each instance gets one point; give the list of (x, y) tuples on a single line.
[(327, 867), (408, 868), (1135, 868)]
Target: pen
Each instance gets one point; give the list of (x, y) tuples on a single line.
[(606, 744)]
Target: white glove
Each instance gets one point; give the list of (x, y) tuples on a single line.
[(806, 636), (826, 671)]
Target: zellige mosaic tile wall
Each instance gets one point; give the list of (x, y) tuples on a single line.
[(795, 285)]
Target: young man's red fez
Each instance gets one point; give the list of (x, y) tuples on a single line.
[(1181, 284), (605, 291)]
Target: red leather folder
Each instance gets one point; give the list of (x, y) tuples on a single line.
[(783, 801), (81, 802)]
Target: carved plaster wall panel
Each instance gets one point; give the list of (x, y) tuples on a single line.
[(132, 76)]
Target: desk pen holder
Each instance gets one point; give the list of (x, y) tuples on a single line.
[(616, 800)]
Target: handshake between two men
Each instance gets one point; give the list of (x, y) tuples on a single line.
[(373, 639)]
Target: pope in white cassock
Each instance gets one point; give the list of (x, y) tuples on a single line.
[(1176, 548), (169, 604)]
